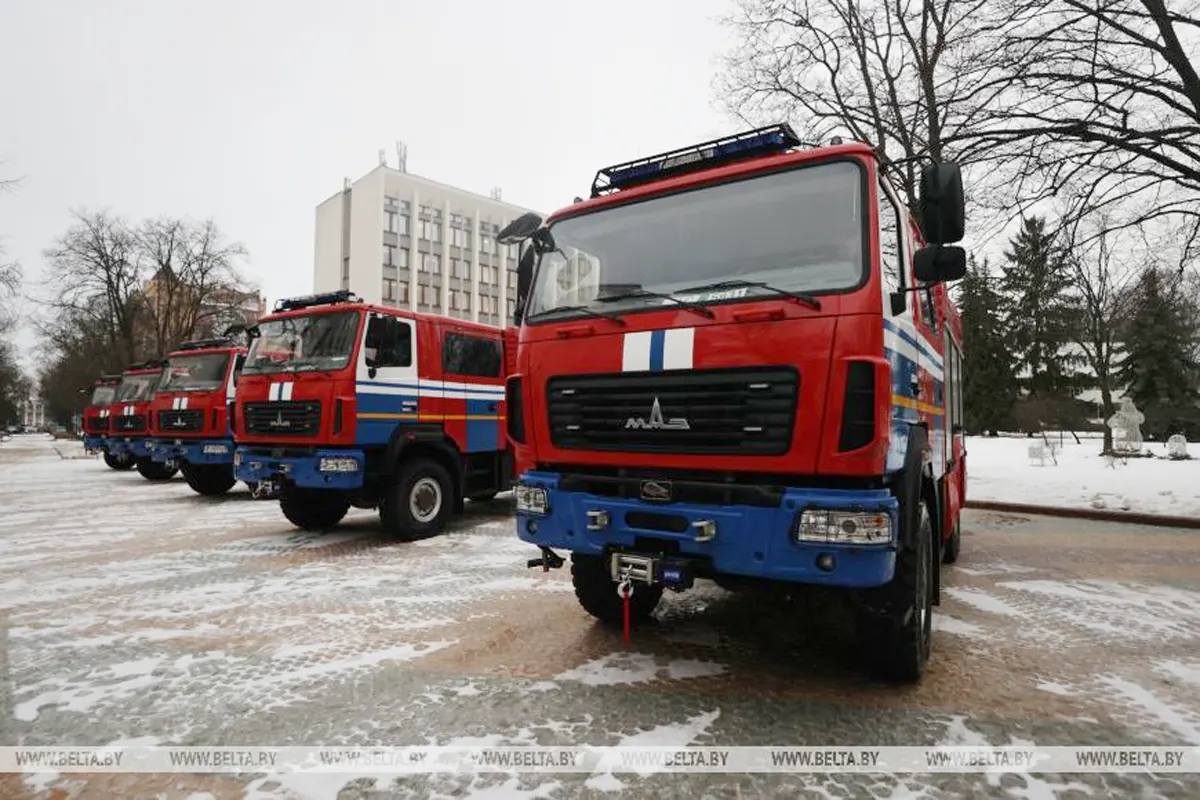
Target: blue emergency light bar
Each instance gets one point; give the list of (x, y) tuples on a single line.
[(739, 147), (328, 298)]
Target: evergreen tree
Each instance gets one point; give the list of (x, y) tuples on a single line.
[(1041, 310), (989, 382), (1160, 345)]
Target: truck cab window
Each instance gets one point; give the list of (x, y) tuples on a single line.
[(389, 342), (890, 252)]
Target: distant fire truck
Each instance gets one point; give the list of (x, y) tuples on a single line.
[(129, 432), (739, 361), (190, 424), (97, 419), (342, 404)]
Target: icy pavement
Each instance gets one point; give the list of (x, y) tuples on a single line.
[(144, 614)]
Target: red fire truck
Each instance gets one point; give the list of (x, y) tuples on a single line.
[(130, 415), (190, 422), (342, 404), (96, 421), (739, 361)]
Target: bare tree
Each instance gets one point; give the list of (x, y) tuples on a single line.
[(94, 277), (1105, 96), (911, 77), (193, 277)]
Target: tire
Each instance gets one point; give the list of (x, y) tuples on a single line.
[(896, 629), (209, 479), (154, 471), (597, 593), (953, 545), (121, 463), (419, 501), (312, 509)]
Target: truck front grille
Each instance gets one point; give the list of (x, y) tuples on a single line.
[(744, 411), (97, 425), (130, 423), (288, 418), (180, 421)]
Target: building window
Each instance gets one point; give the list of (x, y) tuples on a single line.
[(486, 244), (471, 355), (402, 228), (432, 263), (512, 280), (512, 307), (402, 257), (431, 231), (389, 290), (389, 255), (402, 293), (460, 237), (460, 268), (391, 215)]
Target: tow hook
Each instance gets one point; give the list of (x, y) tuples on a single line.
[(549, 560)]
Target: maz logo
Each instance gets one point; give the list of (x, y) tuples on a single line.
[(656, 421)]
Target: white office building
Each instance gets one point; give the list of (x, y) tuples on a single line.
[(394, 238)]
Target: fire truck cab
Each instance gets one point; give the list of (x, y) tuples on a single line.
[(190, 422), (342, 404), (739, 361), (96, 421), (130, 416)]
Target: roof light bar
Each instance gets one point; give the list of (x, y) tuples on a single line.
[(328, 298), (203, 344), (726, 150)]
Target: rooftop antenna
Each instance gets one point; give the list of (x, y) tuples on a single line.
[(401, 156), (496, 193), (345, 184), (382, 157)]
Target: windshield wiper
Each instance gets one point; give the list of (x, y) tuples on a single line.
[(591, 312), (799, 297), (696, 307)]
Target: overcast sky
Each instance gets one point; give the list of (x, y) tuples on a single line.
[(253, 111)]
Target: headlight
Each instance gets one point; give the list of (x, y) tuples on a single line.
[(237, 459), (215, 449), (532, 499), (843, 527), (338, 465)]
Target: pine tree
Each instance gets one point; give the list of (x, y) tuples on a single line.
[(1160, 345), (989, 382), (1041, 310)]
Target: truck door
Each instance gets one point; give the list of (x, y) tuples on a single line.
[(386, 387), (471, 369), (932, 396), (900, 339)]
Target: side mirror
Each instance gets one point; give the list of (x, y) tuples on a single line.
[(942, 206), (519, 229), (939, 264), (524, 279)]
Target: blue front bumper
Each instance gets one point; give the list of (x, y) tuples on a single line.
[(93, 444), (751, 541), (137, 447), (254, 465), (192, 451)]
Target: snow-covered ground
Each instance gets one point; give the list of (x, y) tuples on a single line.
[(1000, 470)]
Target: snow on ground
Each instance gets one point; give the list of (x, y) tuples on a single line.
[(999, 470)]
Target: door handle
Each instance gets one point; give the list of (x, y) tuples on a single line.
[(915, 386), (492, 406)]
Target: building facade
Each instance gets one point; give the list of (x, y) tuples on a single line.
[(397, 239)]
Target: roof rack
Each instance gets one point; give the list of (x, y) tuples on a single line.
[(203, 344), (328, 298), (726, 150), (152, 363)]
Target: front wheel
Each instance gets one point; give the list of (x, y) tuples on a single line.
[(209, 479), (312, 509), (597, 592), (419, 501), (154, 470), (122, 463), (896, 626)]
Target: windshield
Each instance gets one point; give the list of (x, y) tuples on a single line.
[(137, 388), (195, 373), (103, 395), (310, 342), (799, 231)]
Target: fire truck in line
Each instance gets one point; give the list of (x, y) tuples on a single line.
[(96, 420), (739, 361), (190, 424), (129, 435), (341, 403)]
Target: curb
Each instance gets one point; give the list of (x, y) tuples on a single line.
[(1128, 517)]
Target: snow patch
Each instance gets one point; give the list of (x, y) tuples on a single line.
[(624, 668), (1145, 701), (957, 627), (1055, 688), (977, 598)]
